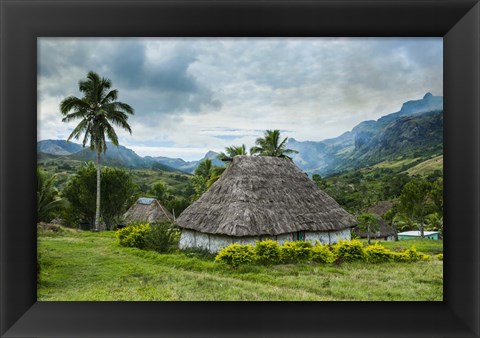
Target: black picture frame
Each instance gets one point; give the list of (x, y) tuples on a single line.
[(22, 21)]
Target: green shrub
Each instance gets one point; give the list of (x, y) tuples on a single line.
[(349, 251), (292, 252), (133, 235), (236, 254), (162, 237), (378, 253), (411, 255), (267, 252), (322, 254), (439, 257)]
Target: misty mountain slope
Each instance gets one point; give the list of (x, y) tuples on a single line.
[(416, 129), (58, 147)]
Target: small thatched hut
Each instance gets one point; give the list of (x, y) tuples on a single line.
[(385, 231), (147, 210), (260, 198)]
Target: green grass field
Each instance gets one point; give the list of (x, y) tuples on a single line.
[(77, 266)]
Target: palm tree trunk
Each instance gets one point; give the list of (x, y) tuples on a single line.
[(97, 208)]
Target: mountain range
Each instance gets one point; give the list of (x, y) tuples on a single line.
[(415, 130), (118, 156)]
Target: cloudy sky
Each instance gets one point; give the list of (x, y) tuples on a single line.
[(195, 95)]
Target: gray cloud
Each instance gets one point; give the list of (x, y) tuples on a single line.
[(163, 87), (311, 88)]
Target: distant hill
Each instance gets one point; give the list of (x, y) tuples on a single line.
[(171, 162), (58, 147), (190, 166), (118, 156), (415, 130)]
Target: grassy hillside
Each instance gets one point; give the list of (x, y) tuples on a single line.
[(79, 266), (427, 167)]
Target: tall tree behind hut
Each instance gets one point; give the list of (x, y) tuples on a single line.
[(270, 145), (97, 111)]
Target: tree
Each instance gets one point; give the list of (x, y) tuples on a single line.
[(270, 145), (437, 195), (414, 201), (368, 222), (161, 192), (434, 222), (119, 188), (204, 168), (118, 194), (319, 181), (97, 111), (228, 155), (48, 200), (232, 151), (389, 217), (403, 223), (200, 177)]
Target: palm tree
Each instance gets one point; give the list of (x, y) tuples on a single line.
[(47, 196), (270, 145), (231, 152), (97, 110)]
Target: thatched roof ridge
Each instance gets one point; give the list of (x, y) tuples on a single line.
[(149, 210), (264, 195)]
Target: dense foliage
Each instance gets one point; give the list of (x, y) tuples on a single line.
[(134, 235), (162, 237), (271, 252), (294, 252), (236, 254), (118, 193), (348, 251), (267, 252), (417, 200), (49, 202)]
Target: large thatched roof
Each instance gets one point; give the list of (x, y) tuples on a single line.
[(149, 210), (264, 196)]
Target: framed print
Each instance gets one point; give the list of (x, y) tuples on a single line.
[(50, 29)]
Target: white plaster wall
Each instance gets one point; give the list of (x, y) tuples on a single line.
[(219, 242), (314, 236), (202, 241), (341, 235), (290, 237), (246, 240), (187, 239), (214, 243)]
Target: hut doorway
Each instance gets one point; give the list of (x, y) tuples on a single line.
[(300, 235)]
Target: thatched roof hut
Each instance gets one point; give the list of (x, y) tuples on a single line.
[(262, 196), (147, 210), (385, 230)]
